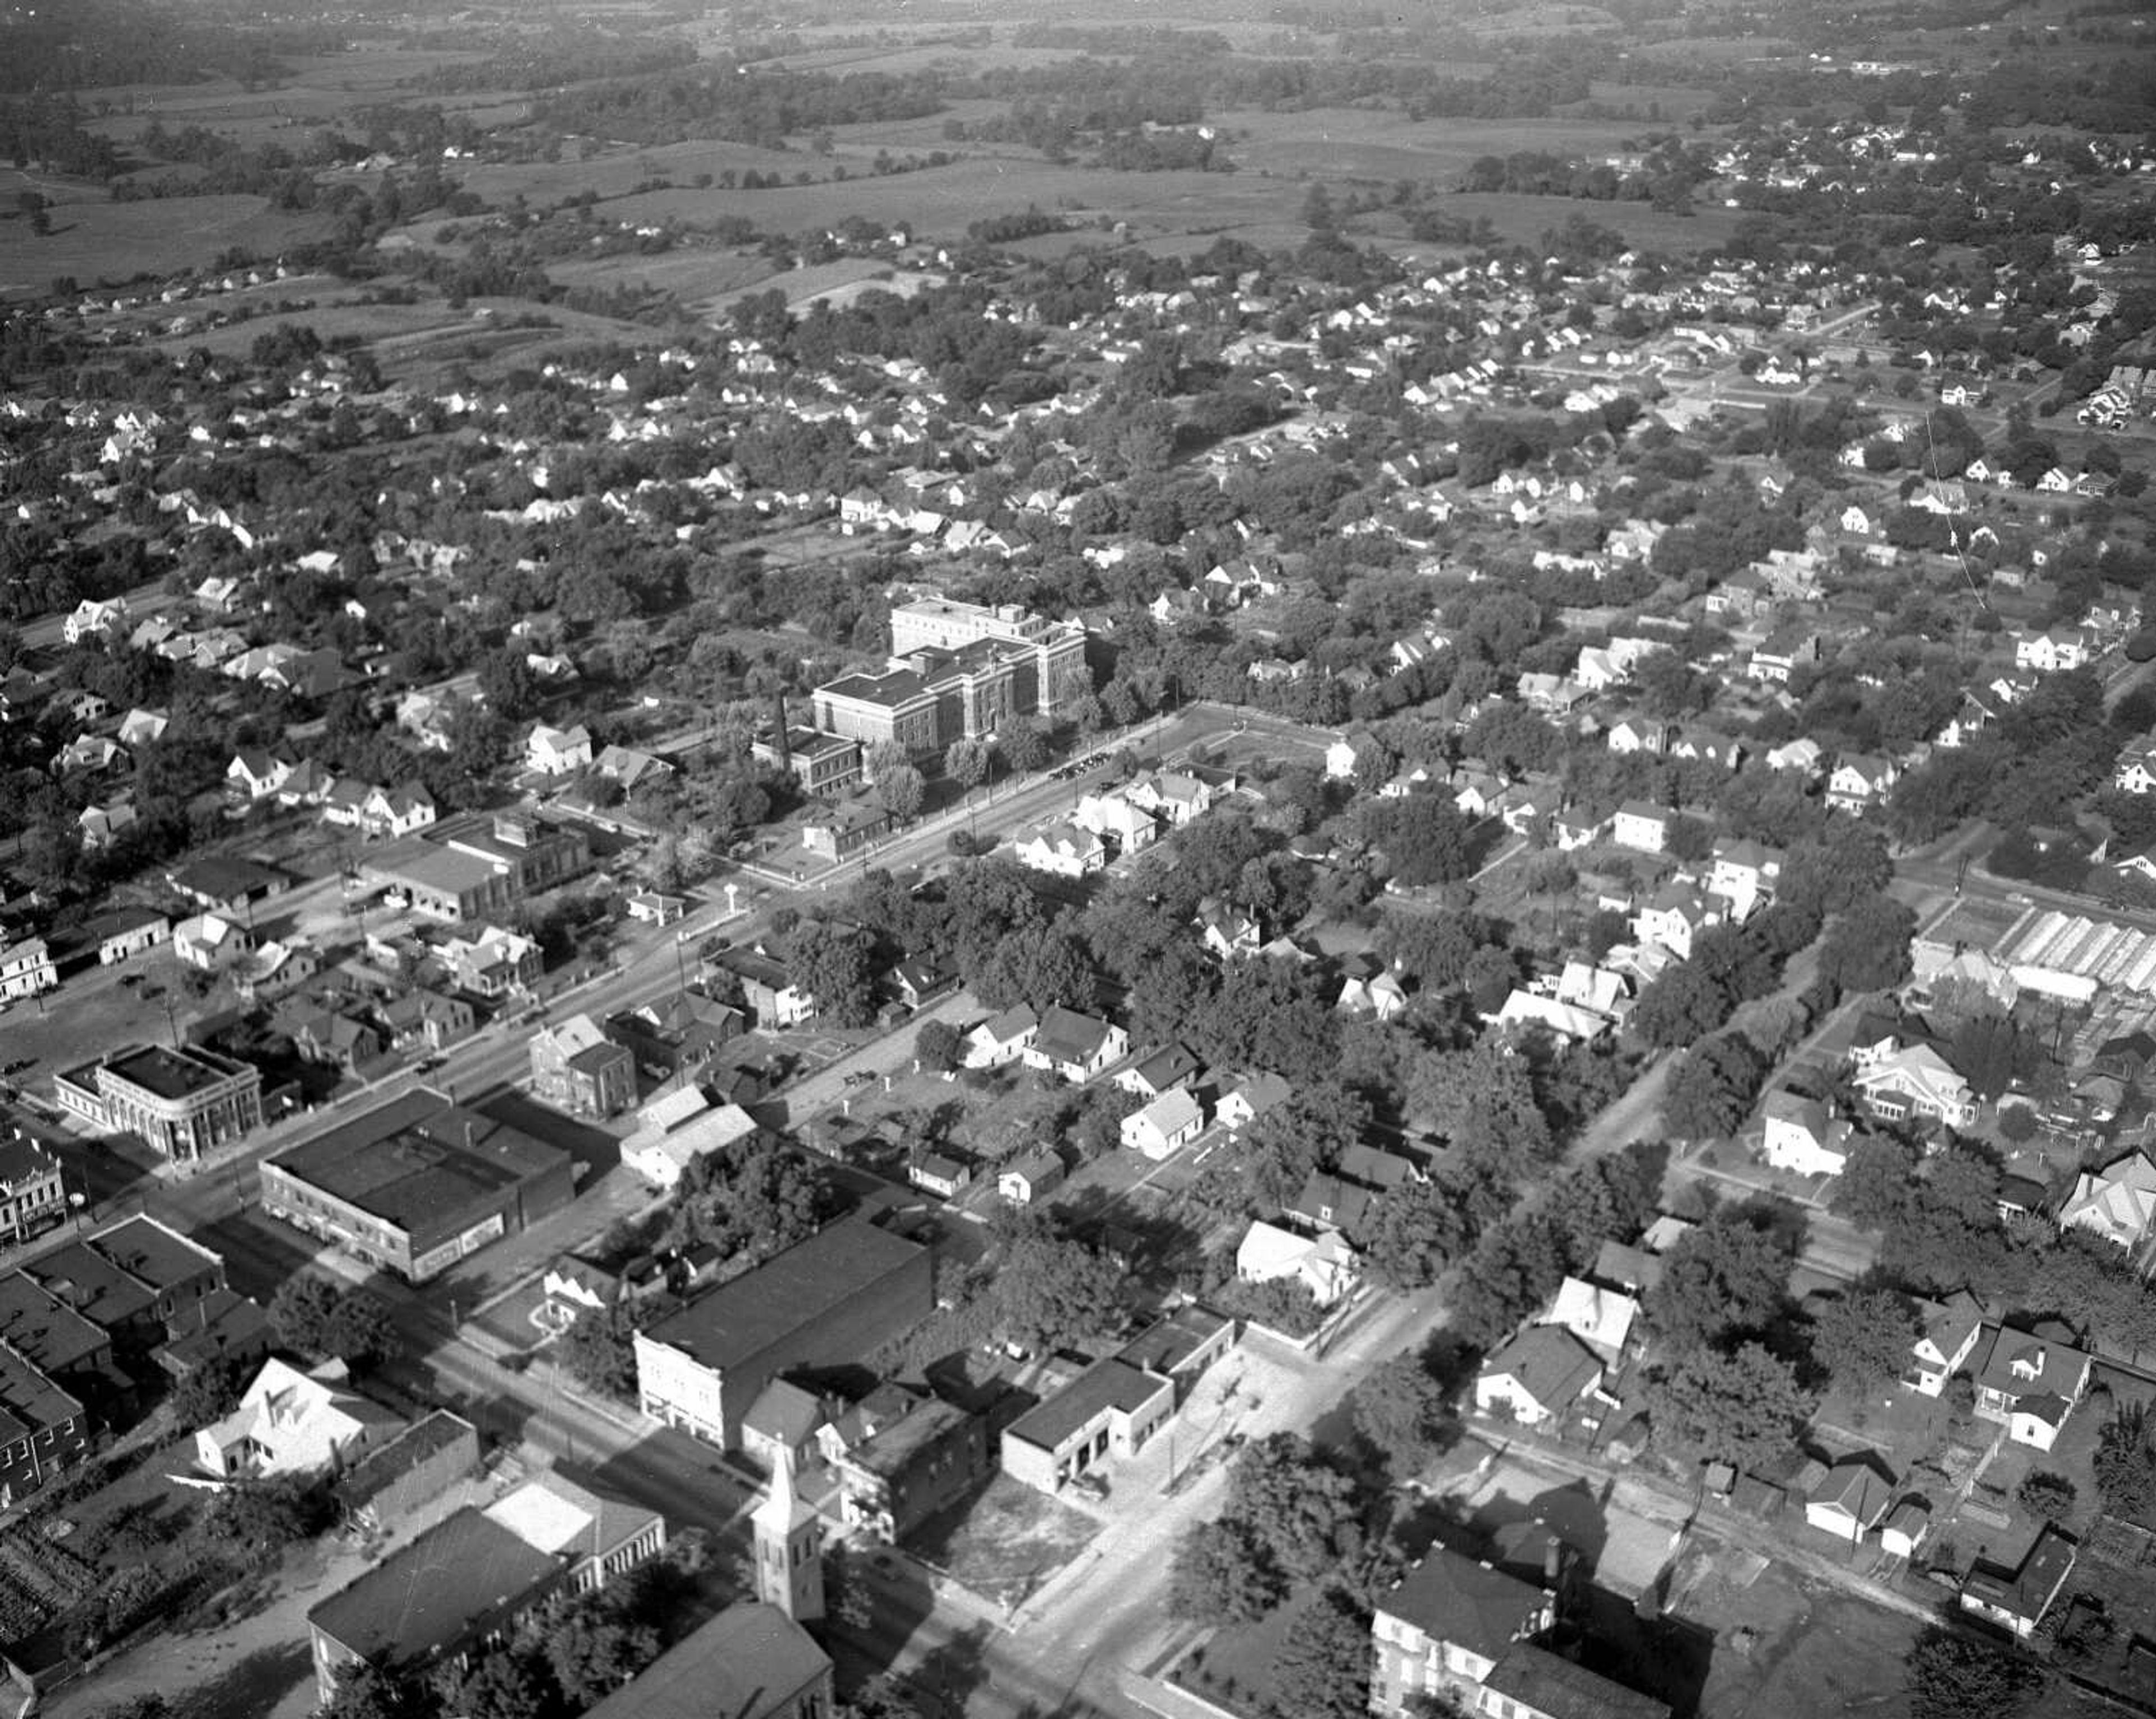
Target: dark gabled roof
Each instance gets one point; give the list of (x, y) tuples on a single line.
[(1067, 1036), (453, 1580), (749, 1662), (1476, 1606), (1543, 1683), (1550, 1364)]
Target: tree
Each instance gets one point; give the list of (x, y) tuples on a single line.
[(1024, 746), (592, 1651), (2125, 1464), (301, 1312), (834, 963), (1415, 1232), (901, 788), (1298, 1507), (937, 1046), (147, 1705), (1051, 1290), (1711, 1086), (966, 761), (598, 1352), (1868, 947), (1954, 1675), (359, 1332), (209, 1392), (1612, 1198), (1877, 1181), (1514, 1268), (1426, 838), (1400, 1408), (2046, 1494), (1322, 1671), (364, 1690), (1682, 1007), (505, 1683), (1221, 1575), (1744, 1406), (1727, 1276), (1863, 1338)]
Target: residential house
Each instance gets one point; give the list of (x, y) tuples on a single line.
[(1064, 850), (2030, 1381), (1031, 1177), (1251, 1100), (27, 967), (1003, 1039), (1114, 818), (2056, 650), (1802, 1136), (2016, 1599), (1537, 1377), (1166, 1126), (939, 1174), (1916, 1080), (1326, 1266), (2116, 1202), (492, 963), (1442, 1628), (1948, 1338), (770, 992), (1228, 932), (1859, 782), (1641, 827), (576, 1068), (210, 943), (292, 1423), (1532, 1682), (1074, 1045), (557, 751), (1855, 1496), (1175, 798), (674, 1131), (1156, 1071), (255, 774), (1601, 1318), (2135, 771)]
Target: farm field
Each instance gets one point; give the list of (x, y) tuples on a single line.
[(96, 240), (1361, 143), (1523, 218)]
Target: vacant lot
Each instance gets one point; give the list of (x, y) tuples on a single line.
[(1007, 1541)]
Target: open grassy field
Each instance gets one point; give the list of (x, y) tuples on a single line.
[(1526, 219), (614, 170), (1363, 143), (94, 239)]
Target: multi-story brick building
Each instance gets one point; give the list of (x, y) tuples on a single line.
[(33, 1193)]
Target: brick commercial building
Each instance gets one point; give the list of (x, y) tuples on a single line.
[(33, 1193), (477, 867), (826, 1301), (414, 1185), (182, 1102)]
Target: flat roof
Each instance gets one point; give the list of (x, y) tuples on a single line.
[(888, 1450), (749, 1662), (44, 1330), (172, 1074), (426, 866), (433, 1593), (1111, 1384), (32, 1400), (91, 1284), (420, 1442), (419, 1162), (160, 1257), (746, 1314)]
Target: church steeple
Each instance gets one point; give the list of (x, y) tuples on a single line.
[(789, 1547)]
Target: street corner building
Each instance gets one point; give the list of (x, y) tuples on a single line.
[(414, 1185)]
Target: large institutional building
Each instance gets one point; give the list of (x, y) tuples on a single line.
[(958, 671)]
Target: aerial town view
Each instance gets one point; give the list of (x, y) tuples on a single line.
[(921, 860)]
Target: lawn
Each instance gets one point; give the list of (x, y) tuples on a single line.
[(1006, 1541), (1234, 1668)]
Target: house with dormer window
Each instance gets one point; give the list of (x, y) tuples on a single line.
[(2031, 1380)]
